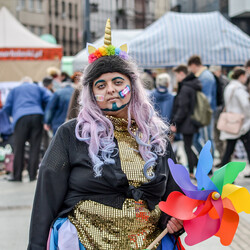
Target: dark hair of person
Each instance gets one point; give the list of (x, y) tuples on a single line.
[(108, 64), (181, 68), (195, 59), (238, 72), (47, 81), (66, 77), (247, 64)]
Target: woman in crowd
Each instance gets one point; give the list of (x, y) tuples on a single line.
[(105, 172), (237, 100)]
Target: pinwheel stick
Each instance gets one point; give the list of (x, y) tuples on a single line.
[(163, 233)]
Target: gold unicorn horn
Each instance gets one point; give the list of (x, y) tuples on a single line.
[(107, 36)]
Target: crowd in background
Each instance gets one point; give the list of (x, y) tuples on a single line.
[(33, 113)]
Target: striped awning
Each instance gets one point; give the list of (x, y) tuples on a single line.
[(175, 37)]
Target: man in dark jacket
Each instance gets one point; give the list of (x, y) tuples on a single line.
[(183, 109)]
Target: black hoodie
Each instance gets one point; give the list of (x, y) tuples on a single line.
[(184, 105)]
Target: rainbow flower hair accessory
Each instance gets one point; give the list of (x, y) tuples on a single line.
[(107, 49)]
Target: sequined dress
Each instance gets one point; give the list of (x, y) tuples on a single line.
[(132, 227)]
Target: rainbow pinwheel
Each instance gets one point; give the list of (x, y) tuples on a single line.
[(211, 207)]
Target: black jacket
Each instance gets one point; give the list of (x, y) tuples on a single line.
[(66, 177), (184, 105)]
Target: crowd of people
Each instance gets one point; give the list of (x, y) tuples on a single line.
[(224, 92), (37, 111)]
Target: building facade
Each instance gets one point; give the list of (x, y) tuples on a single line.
[(65, 22), (61, 18), (124, 14), (64, 19)]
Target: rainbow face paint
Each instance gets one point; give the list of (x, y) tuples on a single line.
[(124, 92), (99, 98)]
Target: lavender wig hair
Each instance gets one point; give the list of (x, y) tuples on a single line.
[(96, 129)]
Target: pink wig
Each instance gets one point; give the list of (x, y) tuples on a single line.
[(96, 130)]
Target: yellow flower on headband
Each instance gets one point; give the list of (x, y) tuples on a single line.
[(103, 51)]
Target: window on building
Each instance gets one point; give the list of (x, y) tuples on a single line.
[(71, 34), (40, 31), (63, 10), (31, 4), (77, 38), (93, 36), (70, 10), (94, 7), (64, 34), (32, 28), (40, 5), (57, 33), (50, 8), (71, 52), (76, 34), (21, 4), (76, 11), (50, 28), (56, 8)]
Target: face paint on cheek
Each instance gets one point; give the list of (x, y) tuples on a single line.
[(124, 92), (99, 98)]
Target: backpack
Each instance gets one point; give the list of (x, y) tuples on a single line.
[(202, 110)]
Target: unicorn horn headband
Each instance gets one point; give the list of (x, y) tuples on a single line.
[(107, 49), (107, 36)]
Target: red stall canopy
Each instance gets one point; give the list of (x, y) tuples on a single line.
[(22, 52)]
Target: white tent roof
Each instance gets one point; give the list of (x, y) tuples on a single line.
[(173, 38), (119, 37), (14, 35)]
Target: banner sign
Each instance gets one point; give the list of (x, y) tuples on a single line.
[(30, 53)]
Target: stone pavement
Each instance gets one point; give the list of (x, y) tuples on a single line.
[(16, 203)]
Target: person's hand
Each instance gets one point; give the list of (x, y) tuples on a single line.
[(172, 133), (173, 128), (46, 127), (174, 225)]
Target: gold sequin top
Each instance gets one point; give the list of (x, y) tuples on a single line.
[(134, 226)]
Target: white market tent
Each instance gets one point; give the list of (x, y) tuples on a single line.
[(173, 38), (22, 53), (119, 37)]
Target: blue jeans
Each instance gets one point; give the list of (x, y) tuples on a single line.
[(204, 134)]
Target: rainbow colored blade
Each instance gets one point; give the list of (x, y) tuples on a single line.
[(227, 174), (204, 166), (239, 196), (203, 227), (181, 177)]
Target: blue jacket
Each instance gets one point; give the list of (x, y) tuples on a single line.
[(163, 103), (26, 99), (57, 108), (5, 124), (209, 87)]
